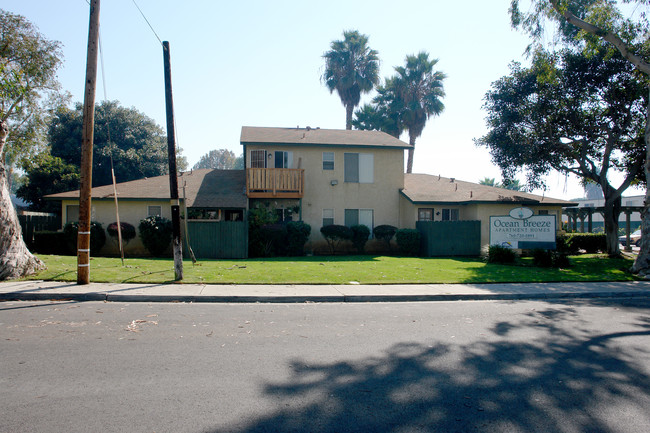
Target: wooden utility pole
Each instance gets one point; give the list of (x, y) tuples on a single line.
[(173, 179), (83, 233)]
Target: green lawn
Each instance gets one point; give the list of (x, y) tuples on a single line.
[(336, 270)]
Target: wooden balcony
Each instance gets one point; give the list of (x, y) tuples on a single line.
[(275, 182)]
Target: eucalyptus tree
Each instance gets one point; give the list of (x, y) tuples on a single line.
[(419, 88), (351, 68), (28, 84)]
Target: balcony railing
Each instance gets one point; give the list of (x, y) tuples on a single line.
[(275, 182)]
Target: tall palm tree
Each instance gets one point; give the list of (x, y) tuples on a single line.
[(420, 89), (351, 68), (383, 114)]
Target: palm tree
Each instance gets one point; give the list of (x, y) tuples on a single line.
[(351, 68), (419, 88), (384, 114)]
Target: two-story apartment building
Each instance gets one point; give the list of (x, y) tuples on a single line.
[(332, 176)]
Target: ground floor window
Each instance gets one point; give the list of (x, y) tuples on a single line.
[(328, 217), (450, 214), (359, 217), (72, 213), (425, 214), (233, 215), (154, 211)]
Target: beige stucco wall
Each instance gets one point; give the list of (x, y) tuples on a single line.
[(471, 212), (132, 212), (382, 195)]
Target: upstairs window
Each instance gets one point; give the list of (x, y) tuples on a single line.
[(328, 160), (359, 167), (258, 158), (283, 159)]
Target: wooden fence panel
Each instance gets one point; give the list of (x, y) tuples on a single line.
[(218, 239), (449, 238), (37, 223)]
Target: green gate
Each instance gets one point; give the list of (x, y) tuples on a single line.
[(449, 238), (218, 239)]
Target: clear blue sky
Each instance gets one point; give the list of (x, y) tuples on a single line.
[(258, 63)]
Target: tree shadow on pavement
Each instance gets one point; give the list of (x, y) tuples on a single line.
[(529, 375)]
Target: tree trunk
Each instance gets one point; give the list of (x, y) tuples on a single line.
[(15, 259), (642, 263), (610, 217), (409, 163), (348, 116)]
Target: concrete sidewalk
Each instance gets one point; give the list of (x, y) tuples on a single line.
[(53, 290)]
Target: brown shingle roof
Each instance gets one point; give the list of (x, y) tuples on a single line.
[(311, 136), (204, 188), (425, 188)]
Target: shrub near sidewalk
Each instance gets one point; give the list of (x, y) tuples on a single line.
[(335, 234), (156, 234), (408, 241), (97, 237)]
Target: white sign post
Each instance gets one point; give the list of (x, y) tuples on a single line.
[(523, 230)]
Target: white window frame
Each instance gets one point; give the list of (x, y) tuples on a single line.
[(154, 213), (257, 158), (365, 170), (328, 158), (326, 215)]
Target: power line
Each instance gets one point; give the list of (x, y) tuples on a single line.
[(145, 18)]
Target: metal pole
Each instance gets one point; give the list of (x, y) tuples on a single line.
[(173, 179), (83, 236)]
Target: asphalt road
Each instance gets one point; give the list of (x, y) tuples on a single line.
[(571, 366)]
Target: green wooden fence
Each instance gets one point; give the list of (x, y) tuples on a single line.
[(218, 240), (30, 223), (449, 238)]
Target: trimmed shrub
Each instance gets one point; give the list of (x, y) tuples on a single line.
[(128, 231), (156, 234), (334, 234), (273, 240), (502, 255), (591, 243), (297, 234), (258, 244), (385, 233), (50, 242), (550, 259), (97, 237), (360, 235), (408, 241)]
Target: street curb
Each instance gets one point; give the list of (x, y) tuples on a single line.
[(107, 297)]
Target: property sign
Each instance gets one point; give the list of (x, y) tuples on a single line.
[(523, 230)]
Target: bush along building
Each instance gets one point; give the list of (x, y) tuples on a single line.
[(319, 177)]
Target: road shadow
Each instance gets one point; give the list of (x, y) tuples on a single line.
[(563, 379)]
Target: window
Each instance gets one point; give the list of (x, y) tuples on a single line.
[(154, 211), (258, 158), (359, 167), (450, 214), (328, 160), (425, 214), (283, 159), (359, 217), (233, 215), (328, 217), (72, 213)]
